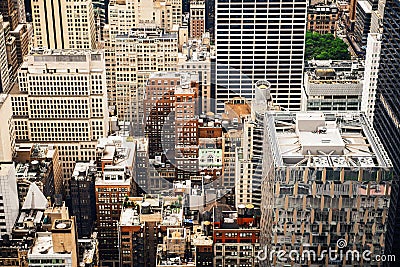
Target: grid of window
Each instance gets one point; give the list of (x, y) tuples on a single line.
[(19, 105), (260, 40), (58, 108), (21, 129), (48, 131), (55, 85)]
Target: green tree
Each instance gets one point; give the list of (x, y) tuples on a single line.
[(325, 47)]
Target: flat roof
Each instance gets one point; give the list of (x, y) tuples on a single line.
[(43, 248), (316, 139)]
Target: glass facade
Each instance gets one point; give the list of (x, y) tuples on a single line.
[(387, 112)]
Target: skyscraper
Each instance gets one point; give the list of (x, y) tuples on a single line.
[(64, 24), (197, 18), (10, 13), (258, 40), (62, 99), (152, 50), (371, 74), (123, 16), (387, 112), (326, 177), (4, 71), (8, 198), (83, 197), (7, 137)]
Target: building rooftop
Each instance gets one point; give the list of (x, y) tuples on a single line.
[(119, 148), (83, 170), (44, 61), (172, 212), (316, 139), (43, 248), (87, 250), (64, 52), (327, 77), (199, 239), (236, 108), (184, 83), (147, 33), (166, 211), (142, 144), (43, 244), (35, 200), (130, 214), (195, 51)]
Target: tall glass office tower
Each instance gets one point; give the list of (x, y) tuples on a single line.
[(387, 112), (257, 40)]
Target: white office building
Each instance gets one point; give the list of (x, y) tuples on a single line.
[(62, 100), (371, 74), (64, 24)]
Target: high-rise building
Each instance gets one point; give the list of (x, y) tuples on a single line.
[(362, 23), (197, 18), (186, 129), (387, 112), (83, 198), (260, 40), (22, 34), (38, 164), (10, 12), (323, 18), (138, 231), (171, 124), (14, 250), (124, 15), (4, 71), (196, 57), (237, 110), (7, 134), (11, 48), (248, 158), (236, 237), (100, 9), (12, 57), (61, 100), (326, 178), (64, 24), (138, 54), (116, 161), (377, 18), (210, 18), (9, 207), (150, 232), (371, 74), (20, 5), (142, 164), (111, 190), (158, 107)]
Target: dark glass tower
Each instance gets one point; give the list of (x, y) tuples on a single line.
[(387, 113)]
